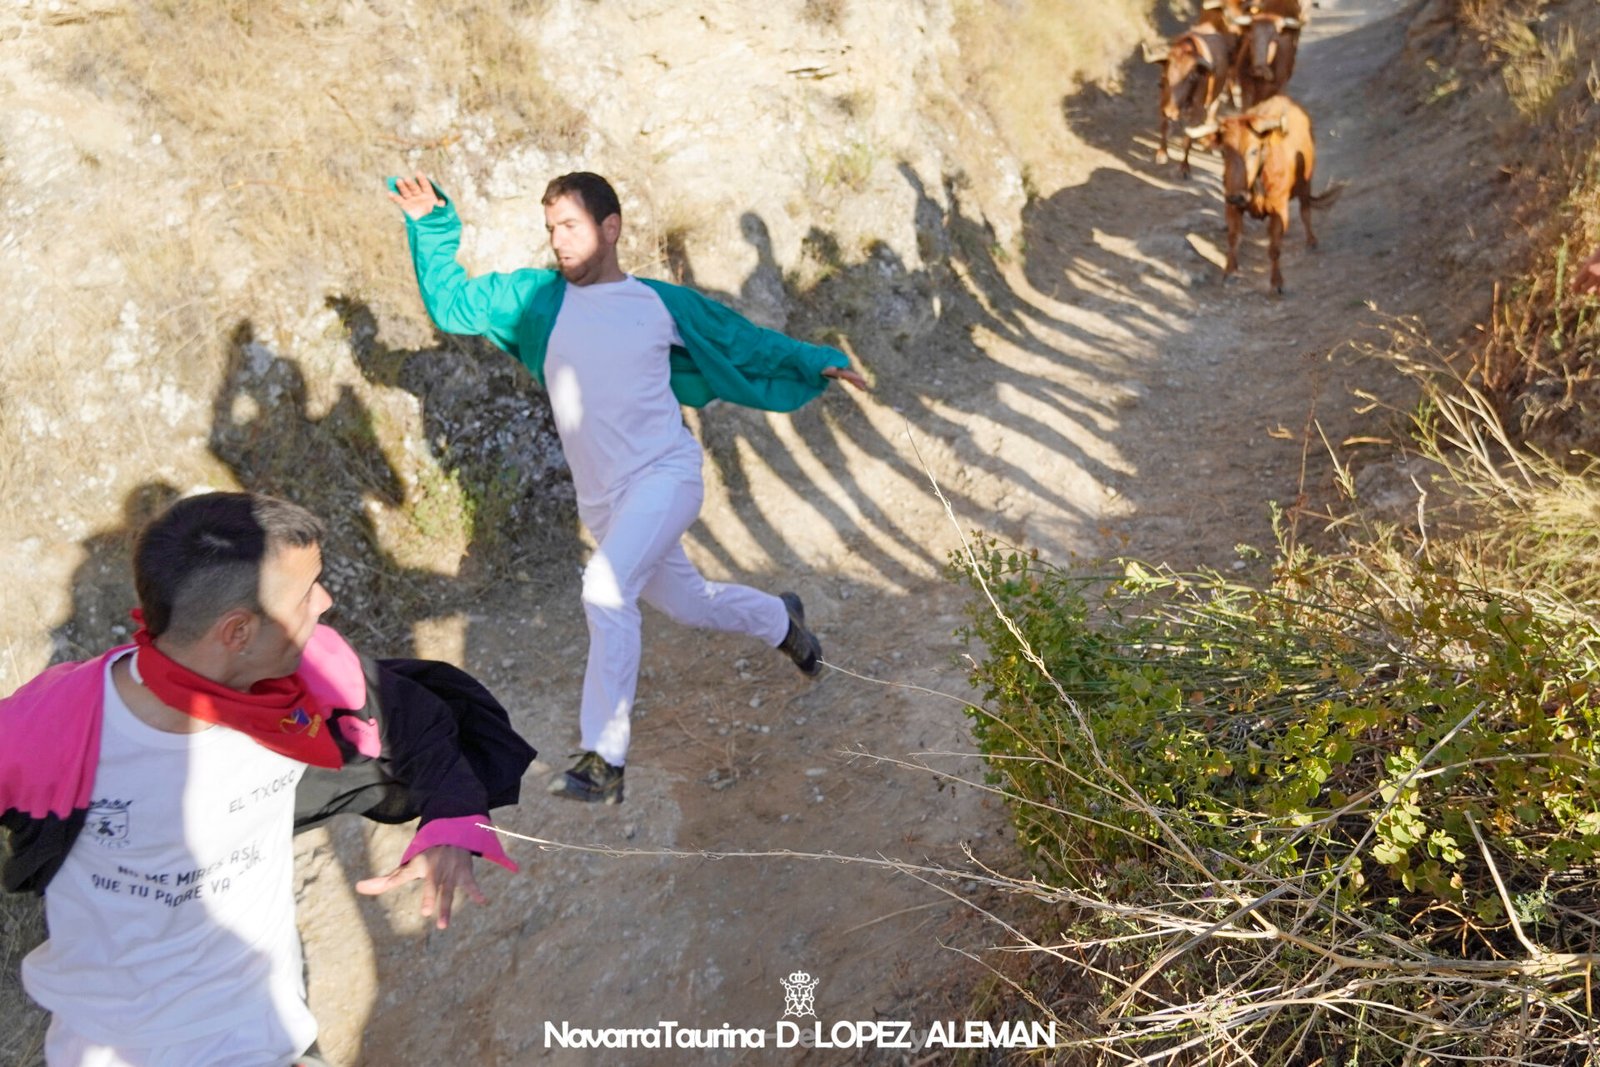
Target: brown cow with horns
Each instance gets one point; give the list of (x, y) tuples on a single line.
[(1268, 157), (1270, 37), (1195, 68)]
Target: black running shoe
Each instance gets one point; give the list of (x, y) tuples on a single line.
[(591, 779), (800, 644)]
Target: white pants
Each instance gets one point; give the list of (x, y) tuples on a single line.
[(262, 1043), (640, 555)]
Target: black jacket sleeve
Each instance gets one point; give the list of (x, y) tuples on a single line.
[(36, 848), (447, 750)]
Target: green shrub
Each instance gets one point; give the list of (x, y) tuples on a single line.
[(1341, 712), (1371, 757)]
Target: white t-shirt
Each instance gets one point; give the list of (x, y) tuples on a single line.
[(172, 917), (607, 372)]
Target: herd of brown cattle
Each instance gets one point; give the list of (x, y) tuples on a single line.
[(1244, 49)]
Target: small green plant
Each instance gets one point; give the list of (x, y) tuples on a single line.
[(1387, 758), (1446, 82), (850, 168)]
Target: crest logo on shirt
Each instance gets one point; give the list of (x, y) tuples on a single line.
[(107, 823)]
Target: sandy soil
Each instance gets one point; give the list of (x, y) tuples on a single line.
[(1125, 401)]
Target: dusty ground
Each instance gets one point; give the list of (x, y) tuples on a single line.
[(1126, 401), (1102, 393)]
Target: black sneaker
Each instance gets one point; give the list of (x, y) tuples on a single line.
[(800, 644), (591, 779)]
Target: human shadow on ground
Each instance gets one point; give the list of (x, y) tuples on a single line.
[(1149, 205), (102, 597), (485, 493), (482, 490), (102, 585), (914, 331), (1138, 206)]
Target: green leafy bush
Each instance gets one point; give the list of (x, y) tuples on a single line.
[(1383, 766), (1344, 721)]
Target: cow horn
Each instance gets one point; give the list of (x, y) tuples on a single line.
[(1211, 5), (1291, 24), (1194, 133), (1242, 20), (1155, 53)]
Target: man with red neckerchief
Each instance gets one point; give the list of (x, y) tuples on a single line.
[(152, 793)]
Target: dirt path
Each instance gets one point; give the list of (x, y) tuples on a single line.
[(1124, 401)]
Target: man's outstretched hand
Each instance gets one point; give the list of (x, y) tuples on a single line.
[(443, 869), (845, 374), (1587, 277), (415, 195)]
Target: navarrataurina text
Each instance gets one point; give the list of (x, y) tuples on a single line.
[(887, 1034)]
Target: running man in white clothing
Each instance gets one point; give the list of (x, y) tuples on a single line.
[(618, 356)]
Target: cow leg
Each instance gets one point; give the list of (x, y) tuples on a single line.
[(1276, 224), (1214, 138), (1161, 149), (1305, 214), (1183, 168), (1235, 227)]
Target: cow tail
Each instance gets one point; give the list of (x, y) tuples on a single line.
[(1327, 197)]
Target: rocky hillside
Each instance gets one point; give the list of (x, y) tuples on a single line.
[(209, 289)]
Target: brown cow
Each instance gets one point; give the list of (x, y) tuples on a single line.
[(1271, 37), (1194, 69), (1224, 16), (1268, 157)]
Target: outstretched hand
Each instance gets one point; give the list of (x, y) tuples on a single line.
[(443, 869), (415, 195), (845, 374), (1587, 278)]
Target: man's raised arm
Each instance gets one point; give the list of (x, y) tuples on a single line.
[(490, 305)]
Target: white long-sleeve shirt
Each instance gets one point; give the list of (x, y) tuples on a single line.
[(608, 374)]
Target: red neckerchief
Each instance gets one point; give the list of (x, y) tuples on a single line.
[(278, 714)]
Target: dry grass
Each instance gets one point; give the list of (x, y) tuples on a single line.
[(21, 928), (1194, 953), (1536, 62), (1536, 361), (280, 121), (286, 117), (1024, 60), (1501, 508), (823, 12)]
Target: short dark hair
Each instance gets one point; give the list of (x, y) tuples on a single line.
[(592, 191), (201, 558)]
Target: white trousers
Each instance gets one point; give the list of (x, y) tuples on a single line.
[(263, 1042), (640, 556)]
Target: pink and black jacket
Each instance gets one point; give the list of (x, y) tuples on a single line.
[(420, 740)]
